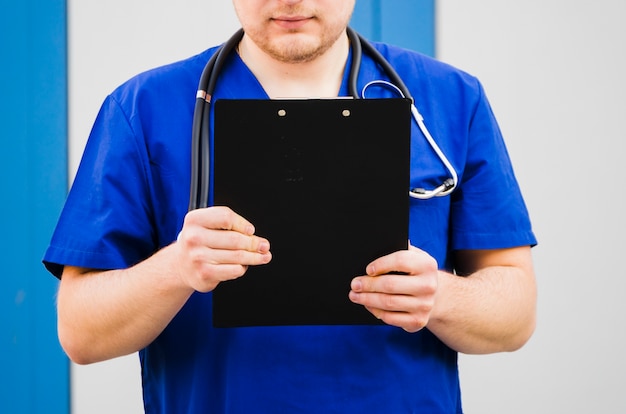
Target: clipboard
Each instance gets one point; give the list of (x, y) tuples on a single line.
[(326, 181)]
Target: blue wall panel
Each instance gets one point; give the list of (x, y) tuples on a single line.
[(406, 23), (33, 181)]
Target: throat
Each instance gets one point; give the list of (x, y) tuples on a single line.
[(299, 87), (317, 78)]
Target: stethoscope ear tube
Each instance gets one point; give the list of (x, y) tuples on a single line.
[(195, 149), (197, 135), (357, 54), (201, 130), (380, 60)]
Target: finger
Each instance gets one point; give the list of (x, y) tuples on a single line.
[(388, 303), (223, 240), (231, 272), (409, 322), (215, 274), (395, 284), (236, 257), (220, 218), (412, 261)]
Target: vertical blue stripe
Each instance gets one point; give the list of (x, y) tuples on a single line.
[(366, 19), (406, 23), (33, 180), (377, 23)]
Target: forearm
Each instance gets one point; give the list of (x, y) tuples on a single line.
[(491, 310), (103, 315)]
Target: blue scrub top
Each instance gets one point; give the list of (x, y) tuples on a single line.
[(130, 197)]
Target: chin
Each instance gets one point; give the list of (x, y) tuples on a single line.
[(297, 50)]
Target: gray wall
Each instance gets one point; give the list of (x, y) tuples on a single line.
[(553, 70)]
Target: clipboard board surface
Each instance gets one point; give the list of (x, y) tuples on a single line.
[(326, 182)]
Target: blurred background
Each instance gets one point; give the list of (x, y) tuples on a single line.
[(552, 69)]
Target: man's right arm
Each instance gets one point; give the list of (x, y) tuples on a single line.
[(106, 314)]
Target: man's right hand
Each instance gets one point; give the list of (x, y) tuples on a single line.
[(216, 244)]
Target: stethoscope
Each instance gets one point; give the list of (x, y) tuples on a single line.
[(200, 142)]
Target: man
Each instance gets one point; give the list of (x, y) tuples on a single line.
[(135, 268)]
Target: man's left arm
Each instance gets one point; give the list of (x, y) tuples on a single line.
[(488, 306)]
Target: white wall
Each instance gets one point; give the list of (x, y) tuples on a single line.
[(110, 41), (553, 70)]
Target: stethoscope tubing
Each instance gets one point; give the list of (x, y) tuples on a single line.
[(201, 131)]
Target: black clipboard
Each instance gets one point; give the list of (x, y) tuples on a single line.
[(326, 181)]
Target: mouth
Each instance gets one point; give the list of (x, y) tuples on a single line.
[(291, 22)]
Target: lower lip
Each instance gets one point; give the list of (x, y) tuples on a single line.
[(291, 24)]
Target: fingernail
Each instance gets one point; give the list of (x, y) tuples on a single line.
[(264, 247), (356, 285), (267, 257)]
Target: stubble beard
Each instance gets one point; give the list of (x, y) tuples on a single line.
[(296, 50), (294, 47)]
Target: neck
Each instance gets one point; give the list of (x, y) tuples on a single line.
[(320, 77)]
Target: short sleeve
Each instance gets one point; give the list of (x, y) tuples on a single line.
[(488, 210), (106, 221)]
